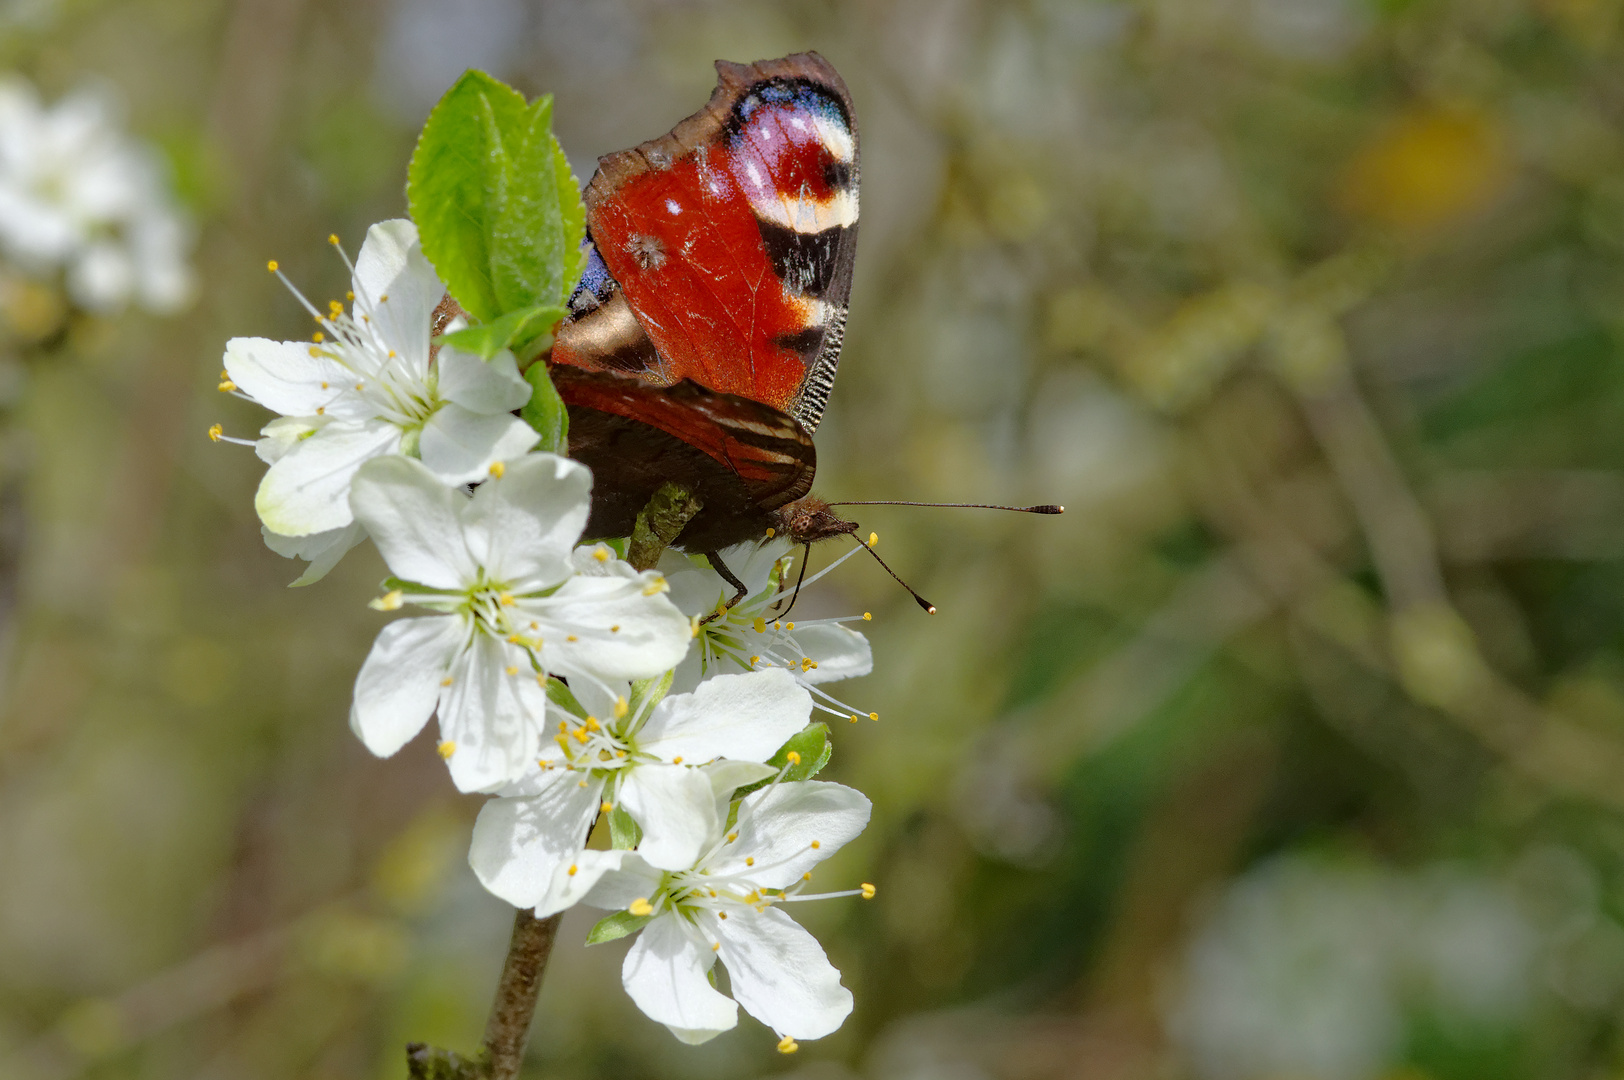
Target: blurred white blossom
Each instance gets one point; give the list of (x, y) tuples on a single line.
[(81, 197)]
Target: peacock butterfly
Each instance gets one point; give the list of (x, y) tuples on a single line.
[(702, 342)]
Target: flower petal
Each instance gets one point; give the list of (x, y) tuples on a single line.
[(460, 446), (630, 879), (523, 525), (392, 265), (481, 386), (413, 518), (578, 880), (619, 630), (284, 433), (746, 717), (293, 378), (307, 490), (676, 809), (399, 683), (492, 715), (664, 973), (321, 550), (780, 974), (778, 825), (520, 844), (839, 652)]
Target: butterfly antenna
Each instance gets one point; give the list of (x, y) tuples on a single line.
[(1042, 508), (930, 608), (806, 555)]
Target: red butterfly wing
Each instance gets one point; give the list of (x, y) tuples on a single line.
[(731, 241)]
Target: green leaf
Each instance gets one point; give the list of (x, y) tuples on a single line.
[(446, 189), (811, 744), (545, 410), (616, 926), (624, 833), (514, 330), (498, 211)]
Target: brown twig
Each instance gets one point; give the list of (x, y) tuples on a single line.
[(508, 1029)]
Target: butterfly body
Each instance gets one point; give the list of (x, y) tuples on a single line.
[(704, 338)]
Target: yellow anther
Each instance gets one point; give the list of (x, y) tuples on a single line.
[(716, 946), (313, 351), (750, 861), (505, 599), (497, 469), (360, 386), (855, 718), (807, 876), (807, 664), (732, 837), (868, 891), (793, 757), (771, 532), (656, 587), (600, 553), (873, 716), (272, 266), (446, 749), (512, 670), (867, 617), (873, 538), (592, 723), (760, 625), (581, 784), (721, 914), (332, 238), (215, 431), (563, 728), (787, 1045), (318, 337), (573, 869), (816, 844), (226, 386), (324, 386), (581, 736), (620, 753), (789, 626), (621, 708), (605, 806), (389, 601), (777, 625), (321, 410), (572, 637), (677, 760), (712, 893), (446, 681), (335, 307), (753, 660), (384, 299), (615, 629), (349, 295), (641, 906)]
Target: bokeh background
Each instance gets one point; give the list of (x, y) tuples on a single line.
[(1293, 751)]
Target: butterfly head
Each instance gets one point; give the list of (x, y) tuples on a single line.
[(808, 520)]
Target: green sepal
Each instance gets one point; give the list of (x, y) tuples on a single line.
[(523, 328), (545, 411), (616, 926), (624, 832), (646, 693), (812, 744), (560, 695)]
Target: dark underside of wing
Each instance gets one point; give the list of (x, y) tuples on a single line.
[(741, 458)]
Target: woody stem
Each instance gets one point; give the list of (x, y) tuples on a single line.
[(508, 1028)]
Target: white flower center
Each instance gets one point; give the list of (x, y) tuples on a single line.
[(390, 389)]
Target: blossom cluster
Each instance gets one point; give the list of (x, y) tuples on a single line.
[(80, 197), (584, 695)]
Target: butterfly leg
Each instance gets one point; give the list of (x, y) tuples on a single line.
[(728, 576)]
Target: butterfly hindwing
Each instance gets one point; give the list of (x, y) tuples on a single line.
[(726, 247)]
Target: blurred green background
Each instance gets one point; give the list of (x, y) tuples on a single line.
[(1294, 751)]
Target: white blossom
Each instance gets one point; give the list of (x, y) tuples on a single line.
[(639, 757), (749, 636), (80, 196), (498, 568), (726, 906), (368, 387)]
